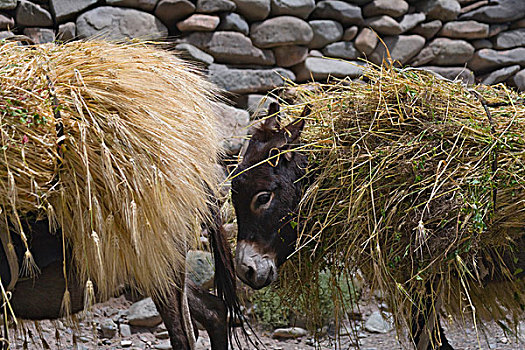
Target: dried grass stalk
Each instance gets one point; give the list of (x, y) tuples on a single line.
[(414, 185), (127, 180)]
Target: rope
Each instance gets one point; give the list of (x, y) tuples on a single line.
[(12, 258), (186, 316)]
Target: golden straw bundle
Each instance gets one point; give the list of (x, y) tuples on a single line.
[(417, 185), (125, 170)]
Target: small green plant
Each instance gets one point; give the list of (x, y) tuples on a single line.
[(269, 310), (272, 310)]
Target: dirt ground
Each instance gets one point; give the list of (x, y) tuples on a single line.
[(87, 335)]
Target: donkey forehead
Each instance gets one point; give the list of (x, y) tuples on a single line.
[(262, 142), (252, 178)]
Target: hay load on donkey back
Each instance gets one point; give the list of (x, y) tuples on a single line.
[(107, 168), (415, 180)]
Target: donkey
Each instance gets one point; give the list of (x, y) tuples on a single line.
[(41, 297), (266, 196)]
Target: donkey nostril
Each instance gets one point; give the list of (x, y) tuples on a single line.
[(249, 273)]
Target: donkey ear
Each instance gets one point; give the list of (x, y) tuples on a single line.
[(294, 129), (274, 117), (274, 108)]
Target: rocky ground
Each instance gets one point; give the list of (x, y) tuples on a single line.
[(121, 324)]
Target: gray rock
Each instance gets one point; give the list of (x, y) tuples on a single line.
[(194, 54), (444, 10), (366, 41), (211, 6), (325, 32), (289, 333), (253, 10), (453, 73), (125, 330), (500, 11), (279, 31), (234, 125), (108, 328), (360, 2), (7, 4), (519, 81), (297, 8), (384, 25), (444, 52), (392, 8), (126, 343), (233, 22), (465, 30), (199, 23), (146, 5), (340, 11), (231, 47), (499, 75), (6, 22), (487, 59), (510, 39), (401, 48), (85, 339), (290, 55), (315, 53), (482, 44), (65, 10), (32, 15), (377, 324), (162, 335), (233, 122), (428, 29), (321, 68), (495, 29), (67, 31), (350, 33), (116, 23), (40, 35), (411, 20), (242, 81), (171, 11), (144, 314), (342, 49), (230, 230), (163, 346), (467, 6), (257, 105)]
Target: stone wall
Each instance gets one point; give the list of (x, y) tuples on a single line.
[(251, 46)]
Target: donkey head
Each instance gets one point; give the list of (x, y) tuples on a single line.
[(265, 194)]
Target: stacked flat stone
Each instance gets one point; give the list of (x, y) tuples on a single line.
[(249, 47)]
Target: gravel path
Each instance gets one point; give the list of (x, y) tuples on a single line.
[(87, 335)]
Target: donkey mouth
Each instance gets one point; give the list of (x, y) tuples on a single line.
[(255, 269), (254, 284)]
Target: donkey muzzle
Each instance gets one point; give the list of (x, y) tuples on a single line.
[(253, 267)]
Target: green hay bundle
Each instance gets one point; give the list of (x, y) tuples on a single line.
[(415, 186), (127, 180)]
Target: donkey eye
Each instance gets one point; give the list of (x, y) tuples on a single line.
[(263, 198), (261, 201)]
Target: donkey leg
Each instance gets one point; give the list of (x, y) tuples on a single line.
[(170, 310), (210, 312), (444, 341), (423, 329)]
